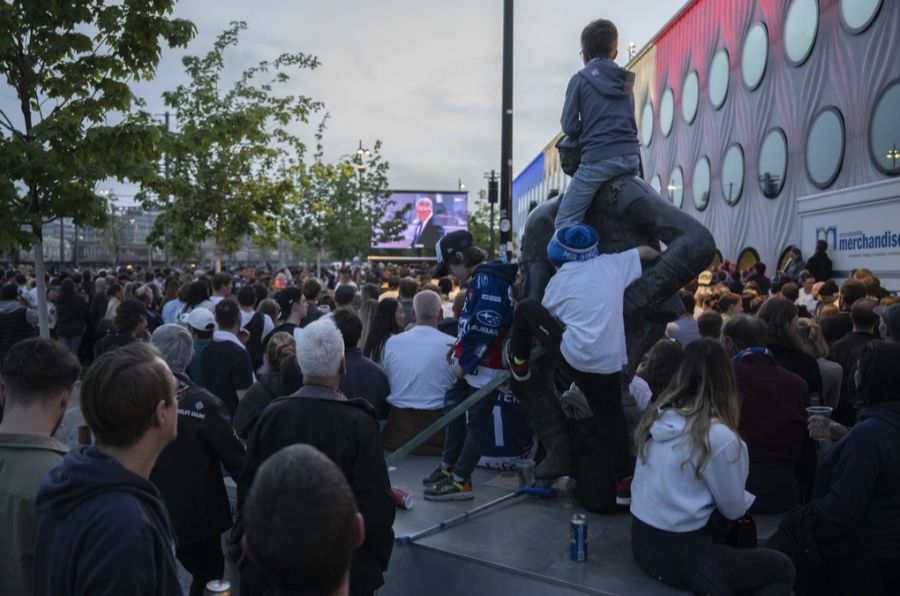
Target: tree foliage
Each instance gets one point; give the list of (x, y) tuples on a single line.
[(68, 65), (221, 177), (479, 220), (343, 206)]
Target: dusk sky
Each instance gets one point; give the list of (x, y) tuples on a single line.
[(424, 77)]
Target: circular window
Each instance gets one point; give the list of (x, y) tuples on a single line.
[(733, 174), (676, 187), (666, 112), (773, 162), (700, 183), (747, 258), (690, 94), (656, 184), (857, 15), (647, 124), (800, 28), (754, 54), (718, 79), (825, 147), (884, 130)]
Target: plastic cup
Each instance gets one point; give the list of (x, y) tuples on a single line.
[(824, 411)]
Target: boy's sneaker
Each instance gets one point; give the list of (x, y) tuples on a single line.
[(438, 475), (623, 492), (450, 490), (519, 372)]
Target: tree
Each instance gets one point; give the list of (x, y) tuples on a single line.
[(343, 206), (68, 65), (221, 174), (479, 221)]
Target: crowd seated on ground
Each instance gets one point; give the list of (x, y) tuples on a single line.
[(737, 370)]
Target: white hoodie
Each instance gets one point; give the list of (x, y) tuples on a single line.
[(668, 495)]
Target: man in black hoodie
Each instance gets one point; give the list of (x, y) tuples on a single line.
[(188, 472), (104, 530)]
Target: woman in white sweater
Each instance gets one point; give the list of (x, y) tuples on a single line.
[(690, 462)]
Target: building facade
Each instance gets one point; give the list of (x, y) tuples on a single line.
[(773, 122)]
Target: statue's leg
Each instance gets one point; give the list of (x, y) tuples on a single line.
[(538, 398)]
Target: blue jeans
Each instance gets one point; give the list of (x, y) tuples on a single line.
[(466, 438), (587, 181)]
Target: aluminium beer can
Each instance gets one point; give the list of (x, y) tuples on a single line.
[(578, 537), (402, 499)]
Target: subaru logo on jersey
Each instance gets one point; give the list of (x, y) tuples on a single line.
[(490, 318)]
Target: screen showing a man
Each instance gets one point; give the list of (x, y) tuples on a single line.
[(428, 216), (427, 233)]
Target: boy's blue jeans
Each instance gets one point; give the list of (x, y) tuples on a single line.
[(466, 438), (587, 181)]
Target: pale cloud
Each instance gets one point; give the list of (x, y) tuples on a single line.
[(422, 76)]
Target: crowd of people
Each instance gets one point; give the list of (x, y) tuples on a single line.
[(295, 385)]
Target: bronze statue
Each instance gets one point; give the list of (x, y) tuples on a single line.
[(626, 213)]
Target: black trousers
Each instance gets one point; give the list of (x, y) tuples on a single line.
[(204, 560), (690, 560), (532, 321)]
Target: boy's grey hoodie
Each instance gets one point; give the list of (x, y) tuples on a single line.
[(599, 111)]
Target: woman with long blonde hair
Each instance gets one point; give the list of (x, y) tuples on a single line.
[(691, 462)]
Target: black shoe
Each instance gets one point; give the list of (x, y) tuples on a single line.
[(439, 474)]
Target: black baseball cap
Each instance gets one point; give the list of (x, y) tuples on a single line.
[(449, 246), (286, 299)]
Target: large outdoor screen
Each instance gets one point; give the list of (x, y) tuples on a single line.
[(428, 217)]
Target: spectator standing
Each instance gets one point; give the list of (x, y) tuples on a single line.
[(188, 473), (145, 294), (302, 525), (773, 404), (390, 319), (344, 430), (172, 300), (280, 351), (819, 265), (17, 321), (807, 297), (293, 310), (709, 324), (72, 313), (129, 326), (344, 297), (684, 329), (197, 297), (103, 527), (419, 376), (837, 326), (758, 277), (813, 343), (845, 352), (363, 378), (225, 363), (346, 280), (691, 461), (37, 379), (795, 265), (477, 359), (312, 292), (367, 311), (114, 297), (406, 293), (99, 302), (201, 323), (257, 324), (222, 283)]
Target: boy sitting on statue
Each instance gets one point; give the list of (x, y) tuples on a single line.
[(581, 325), (599, 114)]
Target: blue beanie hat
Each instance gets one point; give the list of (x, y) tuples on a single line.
[(573, 243)]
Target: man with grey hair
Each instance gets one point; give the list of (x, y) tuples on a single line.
[(419, 375), (344, 430), (146, 295), (188, 473)]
